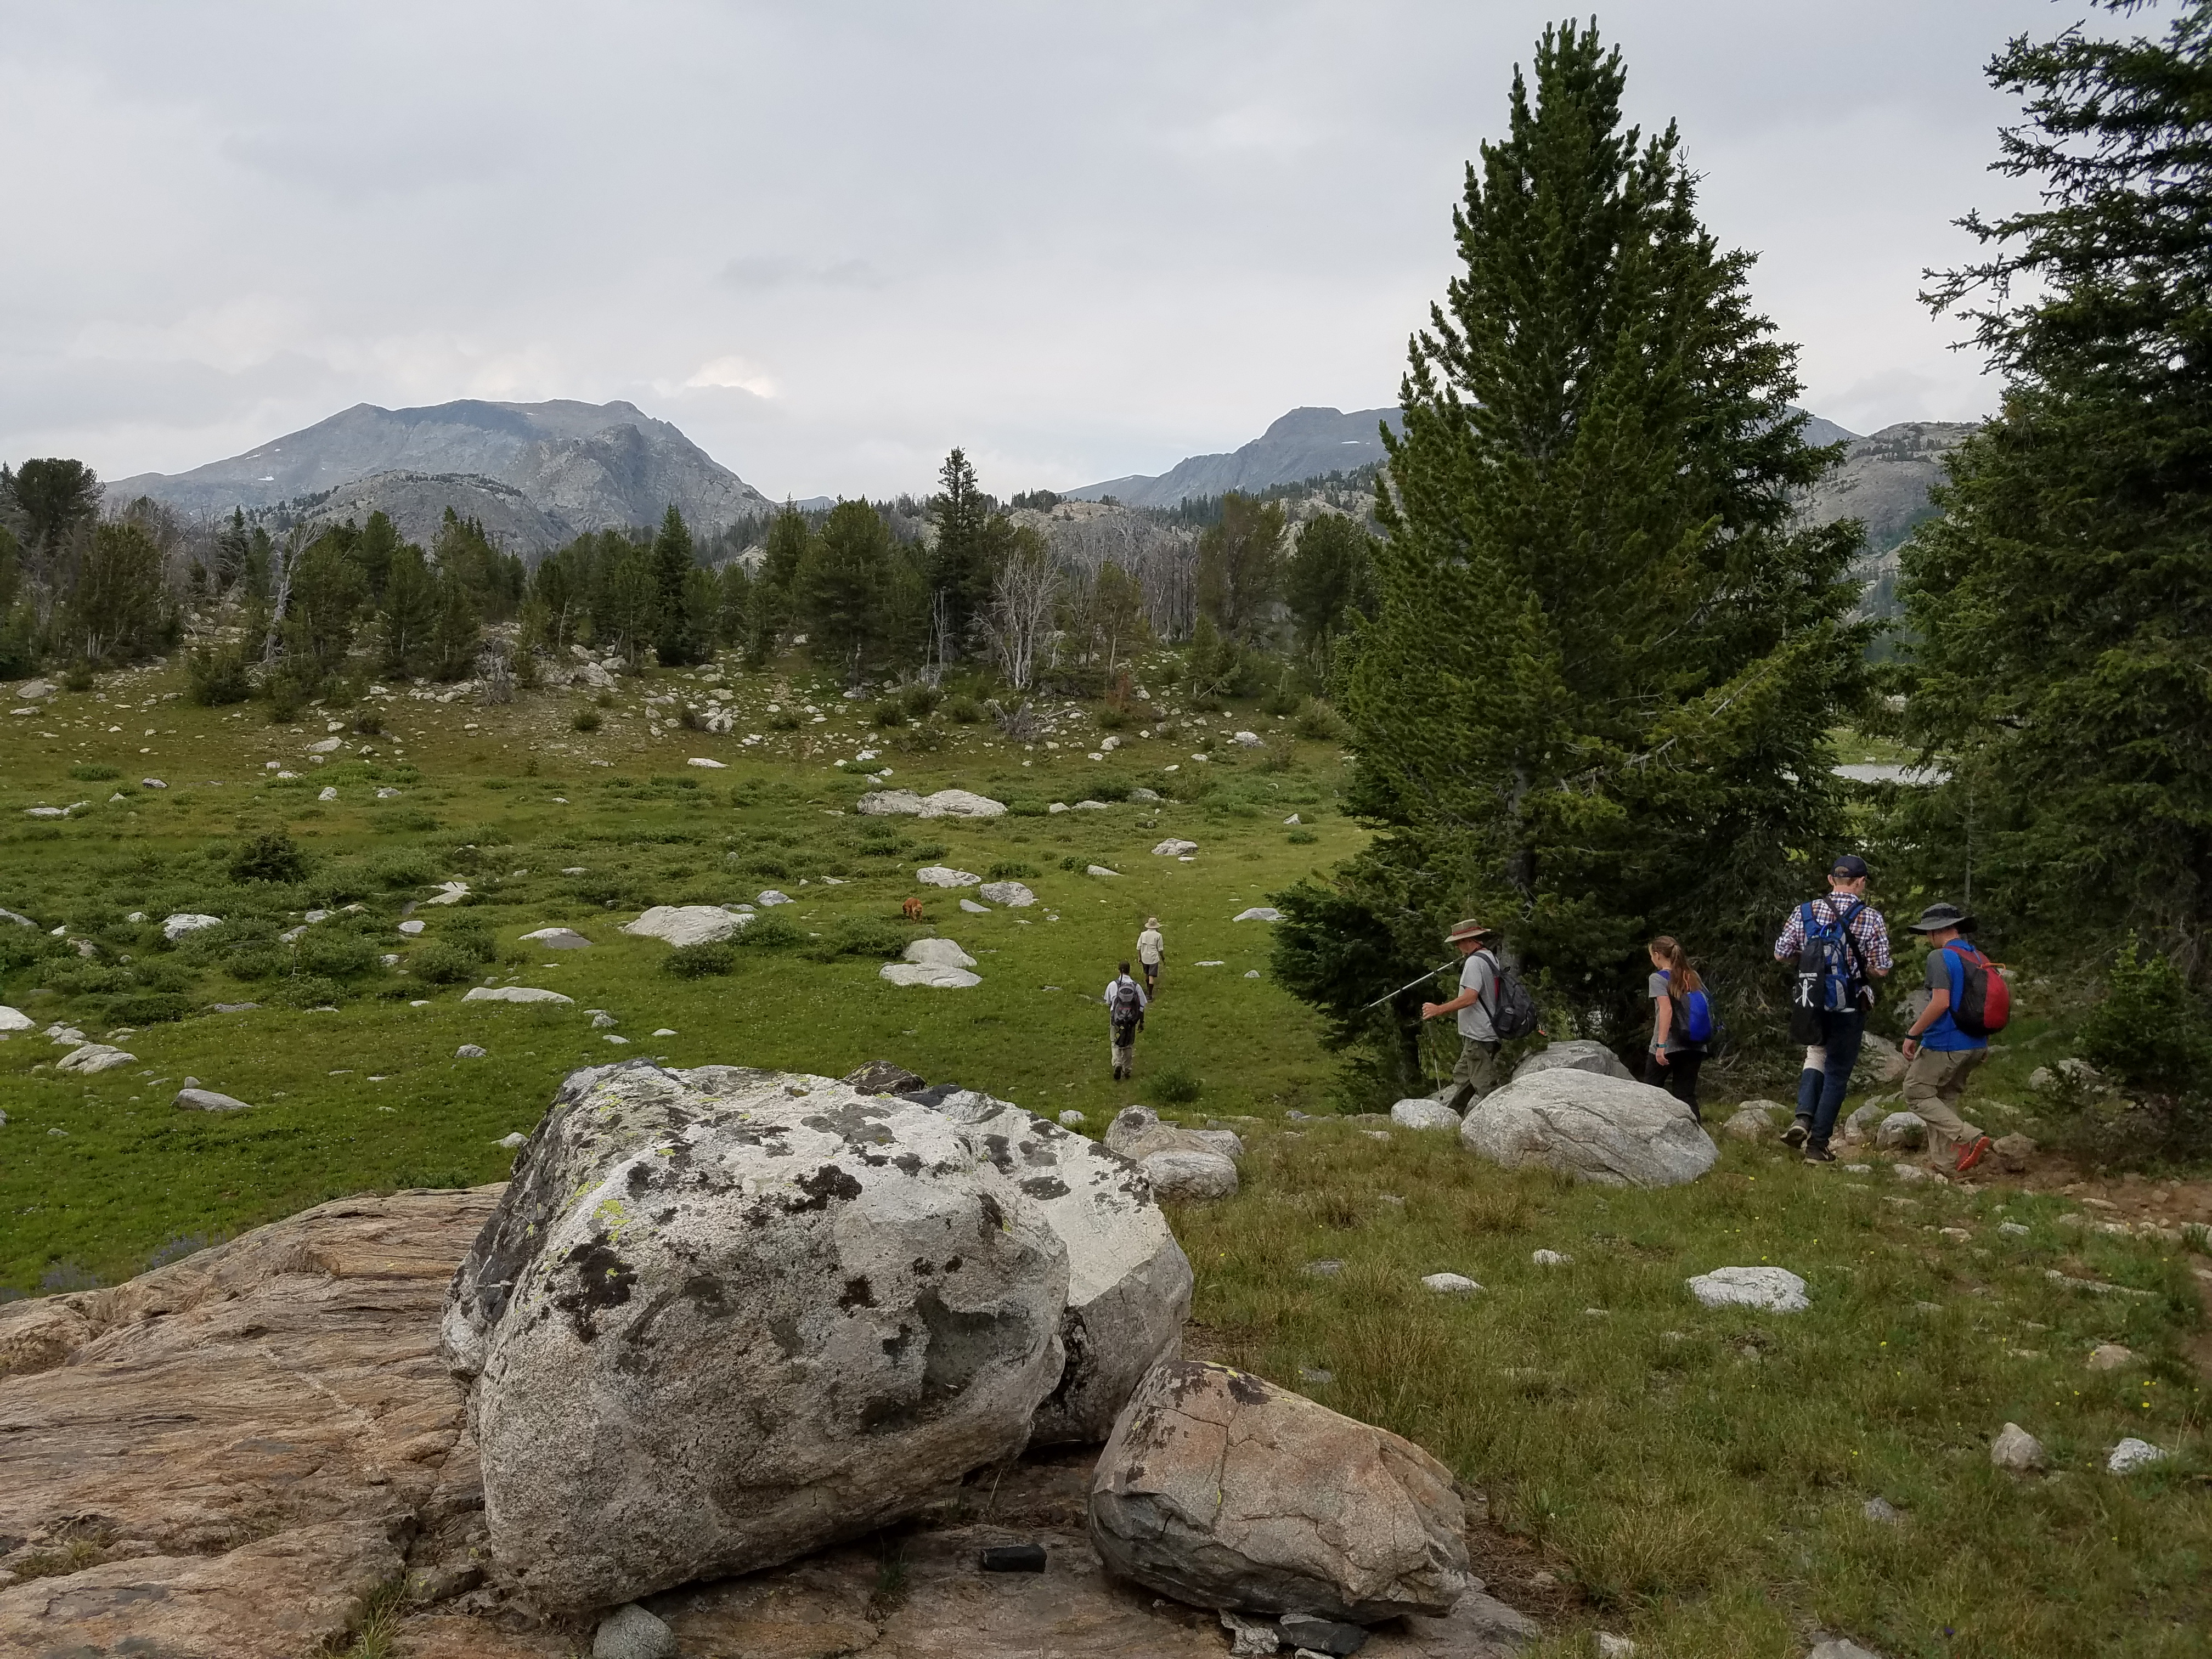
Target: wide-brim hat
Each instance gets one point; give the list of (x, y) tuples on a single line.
[(1938, 916), (1469, 929)]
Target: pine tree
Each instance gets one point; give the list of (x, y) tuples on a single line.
[(841, 587), (959, 574), (2060, 607), (115, 604), (232, 548), (1331, 580), (410, 614), (673, 562), (458, 634), (1240, 567), (1594, 701), (322, 610), (373, 553)]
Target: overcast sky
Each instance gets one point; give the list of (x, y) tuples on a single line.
[(831, 240)]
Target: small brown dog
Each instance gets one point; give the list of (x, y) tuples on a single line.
[(912, 908)]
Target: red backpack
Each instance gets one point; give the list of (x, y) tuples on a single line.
[(1985, 1003)]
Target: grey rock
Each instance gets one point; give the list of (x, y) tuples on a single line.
[(936, 976), (1250, 1637), (602, 1021), (1327, 1268), (769, 897), (2016, 1449), (17, 919), (2110, 1357), (1190, 1176), (1313, 1634), (1449, 1283), (93, 1058), (973, 909), (1772, 1290), (1423, 1113), (559, 939), (1752, 1121), (1258, 913), (881, 1077), (1174, 846), (1578, 1054), (1880, 1509), (1012, 894), (631, 1632), (937, 953), (1333, 1517), (1593, 1125), (235, 1007), (939, 875), (1137, 1132), (468, 1051), (15, 1020), (1072, 1118), (2131, 1454), (207, 1100), (1863, 1121), (1479, 1627), (1901, 1132), (1839, 1647), (785, 1247), (513, 993), (688, 924), (176, 927)]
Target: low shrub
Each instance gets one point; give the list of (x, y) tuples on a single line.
[(1302, 837), (368, 724), (148, 1008), (1012, 870), (256, 962), (859, 936), (221, 675), (1320, 723), (920, 701), (965, 710), (273, 857), (335, 955), (1282, 700), (695, 961), (93, 772), (2150, 1029), (1113, 718), (604, 700), (1109, 788), (310, 991), (691, 719), (889, 712), (473, 938), (783, 720), (440, 964), (77, 676), (770, 932), (1175, 1087), (402, 867), (585, 719)]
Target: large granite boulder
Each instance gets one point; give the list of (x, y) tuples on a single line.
[(725, 1317), (688, 924), (1222, 1491), (1577, 1055), (1611, 1130), (1190, 1165)]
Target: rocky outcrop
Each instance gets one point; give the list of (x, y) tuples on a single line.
[(1181, 1164), (688, 924), (1596, 1127), (1222, 1491), (255, 1432), (725, 1317), (1578, 1054)]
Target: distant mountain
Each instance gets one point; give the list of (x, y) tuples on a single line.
[(1884, 479), (1306, 443), (537, 474)]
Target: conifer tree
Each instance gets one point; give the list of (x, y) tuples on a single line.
[(673, 561), (457, 633), (959, 574), (2060, 607), (410, 614), (1331, 580), (1594, 699), (788, 538), (1240, 567), (841, 587)]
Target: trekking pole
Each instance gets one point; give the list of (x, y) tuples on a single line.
[(1402, 989)]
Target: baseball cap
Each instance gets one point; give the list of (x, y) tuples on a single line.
[(1850, 867)]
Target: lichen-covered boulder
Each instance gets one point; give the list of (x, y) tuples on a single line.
[(1578, 1055), (1223, 1490), (688, 924), (725, 1317), (1610, 1130)]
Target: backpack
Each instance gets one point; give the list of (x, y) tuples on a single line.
[(1697, 1019), (1829, 976), (1128, 1007), (1985, 1004), (1512, 1011)]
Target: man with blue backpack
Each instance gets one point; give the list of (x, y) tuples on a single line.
[(1967, 999), (1841, 947)]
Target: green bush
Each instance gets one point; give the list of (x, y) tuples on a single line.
[(1302, 837), (368, 724), (440, 964), (920, 701), (310, 991), (21, 946), (1112, 718), (859, 936), (783, 720), (889, 712), (604, 700), (1320, 723), (402, 867), (87, 977), (1012, 870), (2151, 1030), (221, 675), (148, 1008), (93, 772), (77, 676), (1282, 700), (473, 939), (965, 710), (770, 932), (1107, 788), (161, 976), (335, 955), (765, 864), (272, 857), (1175, 1087), (691, 961), (257, 961)]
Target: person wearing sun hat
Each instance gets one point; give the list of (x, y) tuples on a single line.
[(1940, 1058), (1476, 1073)]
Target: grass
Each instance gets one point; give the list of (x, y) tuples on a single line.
[(1694, 1479)]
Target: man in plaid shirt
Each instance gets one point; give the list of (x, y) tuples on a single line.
[(1820, 1094)]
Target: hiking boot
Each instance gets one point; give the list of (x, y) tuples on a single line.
[(1795, 1133), (1818, 1154), (1970, 1155)]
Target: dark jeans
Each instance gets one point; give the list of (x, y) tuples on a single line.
[(1678, 1076), (1820, 1094)]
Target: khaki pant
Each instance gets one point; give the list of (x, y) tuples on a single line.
[(1475, 1075), (1936, 1078)]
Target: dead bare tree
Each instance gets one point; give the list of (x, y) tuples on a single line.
[(1024, 603)]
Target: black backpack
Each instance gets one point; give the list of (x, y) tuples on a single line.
[(1830, 972), (1512, 1011), (1128, 1004)]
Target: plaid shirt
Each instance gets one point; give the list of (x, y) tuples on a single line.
[(1867, 928)]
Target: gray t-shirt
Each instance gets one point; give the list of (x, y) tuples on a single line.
[(1478, 974), (1674, 1045)]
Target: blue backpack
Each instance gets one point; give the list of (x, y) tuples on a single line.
[(1829, 971), (1697, 1017)]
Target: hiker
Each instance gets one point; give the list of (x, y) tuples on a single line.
[(1152, 951), (1681, 1024), (1476, 1073), (1941, 1052), (1125, 1002), (1841, 945)]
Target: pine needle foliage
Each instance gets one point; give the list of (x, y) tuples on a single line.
[(1593, 700)]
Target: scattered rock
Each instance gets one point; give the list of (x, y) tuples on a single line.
[(974, 909), (176, 927), (412, 928), (31, 691), (1550, 1259), (469, 1051), (936, 978), (1327, 1268), (15, 1020), (1072, 1118), (1880, 1509), (1906, 1170), (769, 897), (2012, 1152), (1423, 1113), (328, 791), (939, 953), (1222, 1490), (1901, 1132), (1614, 1647), (939, 875), (388, 793), (1143, 794), (688, 924), (1190, 1176), (1174, 848), (881, 1077), (1861, 1124), (93, 1058), (559, 939), (449, 892), (1137, 1133), (1099, 869), (1449, 1283), (2016, 1449), (1309, 1633), (1247, 739), (2095, 1286), (1249, 1637), (513, 993), (1752, 1121), (889, 803), (712, 766), (2110, 1357), (1012, 894), (2012, 1229), (511, 1139), (328, 746), (1880, 1057), (1839, 1647), (1774, 1289), (1579, 1056), (2131, 1454), (629, 1632), (602, 1020), (1258, 913), (1591, 1125), (1294, 818), (152, 783), (911, 1295), (207, 1100)]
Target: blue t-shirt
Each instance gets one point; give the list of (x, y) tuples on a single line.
[(1946, 971)]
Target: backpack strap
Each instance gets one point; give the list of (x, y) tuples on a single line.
[(1490, 1011), (1851, 947)]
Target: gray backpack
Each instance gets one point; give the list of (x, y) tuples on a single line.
[(1512, 1011)]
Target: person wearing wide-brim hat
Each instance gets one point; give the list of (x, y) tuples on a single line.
[(1476, 1073), (1152, 951), (1940, 1057)]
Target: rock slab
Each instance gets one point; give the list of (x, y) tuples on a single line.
[(1222, 1491), (514, 993), (1771, 1290), (1593, 1125), (688, 924), (1578, 1055), (1423, 1113), (725, 1316)]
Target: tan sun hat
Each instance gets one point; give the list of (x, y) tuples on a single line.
[(1469, 929)]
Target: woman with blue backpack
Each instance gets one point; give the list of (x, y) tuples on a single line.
[(1681, 1024)]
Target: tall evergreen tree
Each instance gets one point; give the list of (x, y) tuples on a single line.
[(458, 634), (1331, 580), (115, 604), (2061, 607), (673, 562), (322, 610), (959, 572), (1240, 567), (53, 498), (1595, 696), (373, 553), (842, 585), (410, 614)]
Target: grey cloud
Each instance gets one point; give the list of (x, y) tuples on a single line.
[(762, 273)]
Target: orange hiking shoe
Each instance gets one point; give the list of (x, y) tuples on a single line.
[(1970, 1155)]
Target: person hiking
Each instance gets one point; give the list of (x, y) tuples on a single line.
[(1841, 945), (1681, 1024), (1125, 1002), (1941, 1055), (1152, 951), (1476, 1073)]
